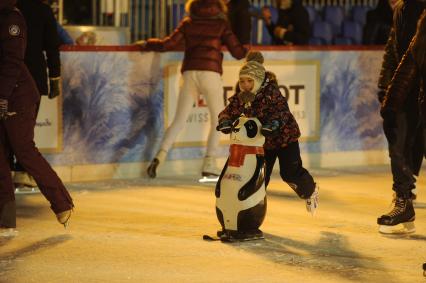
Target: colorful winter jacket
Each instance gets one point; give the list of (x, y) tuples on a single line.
[(268, 105), (202, 33)]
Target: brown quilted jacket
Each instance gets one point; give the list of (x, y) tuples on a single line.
[(202, 33), (404, 80)]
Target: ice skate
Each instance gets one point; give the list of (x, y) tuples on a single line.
[(400, 220), (8, 232), (413, 197), (210, 172), (64, 217), (24, 183), (159, 158), (312, 201)]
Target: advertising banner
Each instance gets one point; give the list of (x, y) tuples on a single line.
[(48, 129)]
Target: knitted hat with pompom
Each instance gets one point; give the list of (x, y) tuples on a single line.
[(253, 68)]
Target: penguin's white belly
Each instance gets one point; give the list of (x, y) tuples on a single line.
[(231, 183)]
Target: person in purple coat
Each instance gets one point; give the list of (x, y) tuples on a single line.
[(19, 98)]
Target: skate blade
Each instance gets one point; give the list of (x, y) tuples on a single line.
[(206, 179), (26, 190), (402, 228), (8, 232)]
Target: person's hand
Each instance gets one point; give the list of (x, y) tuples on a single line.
[(141, 43), (279, 32), (266, 15), (225, 126), (55, 87), (270, 129), (3, 109)]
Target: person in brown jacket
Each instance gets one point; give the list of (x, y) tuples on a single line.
[(18, 102), (411, 68), (203, 33)]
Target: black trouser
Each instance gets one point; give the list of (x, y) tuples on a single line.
[(291, 169), (401, 138), (15, 165)]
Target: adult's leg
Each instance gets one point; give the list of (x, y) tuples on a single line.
[(187, 95), (20, 134), (7, 196), (211, 86), (292, 171), (186, 98), (397, 137)]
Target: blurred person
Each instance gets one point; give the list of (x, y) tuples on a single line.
[(292, 26), (202, 32), (19, 99), (379, 23), (404, 130), (42, 59), (411, 69), (240, 19), (258, 95)]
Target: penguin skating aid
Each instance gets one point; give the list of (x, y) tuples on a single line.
[(240, 191)]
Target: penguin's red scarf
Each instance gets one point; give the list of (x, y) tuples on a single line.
[(237, 153)]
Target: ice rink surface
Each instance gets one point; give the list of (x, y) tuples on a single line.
[(151, 231)]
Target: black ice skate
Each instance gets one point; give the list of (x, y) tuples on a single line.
[(152, 168), (400, 220), (158, 159), (228, 236)]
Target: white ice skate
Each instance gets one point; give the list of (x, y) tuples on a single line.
[(312, 202), (210, 173), (24, 183), (401, 228), (8, 232)]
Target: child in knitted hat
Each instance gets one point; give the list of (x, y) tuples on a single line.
[(258, 95)]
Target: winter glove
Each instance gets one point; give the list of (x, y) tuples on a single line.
[(271, 129), (55, 87), (225, 126), (3, 109), (381, 94)]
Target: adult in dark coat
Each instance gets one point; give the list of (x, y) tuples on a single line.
[(43, 39), (292, 26), (18, 102), (409, 71), (378, 23), (403, 131), (240, 19), (42, 59)]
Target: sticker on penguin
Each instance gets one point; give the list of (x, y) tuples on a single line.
[(240, 191)]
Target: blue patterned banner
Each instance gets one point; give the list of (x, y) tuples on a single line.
[(113, 104)]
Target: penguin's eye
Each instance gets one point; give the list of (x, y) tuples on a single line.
[(251, 128)]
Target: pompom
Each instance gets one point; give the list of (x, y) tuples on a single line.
[(255, 56)]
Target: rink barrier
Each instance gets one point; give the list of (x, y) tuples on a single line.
[(114, 101)]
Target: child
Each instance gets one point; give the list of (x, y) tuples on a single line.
[(203, 32), (258, 96)]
